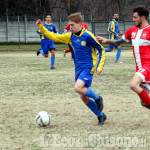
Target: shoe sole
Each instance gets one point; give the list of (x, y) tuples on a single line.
[(105, 117)]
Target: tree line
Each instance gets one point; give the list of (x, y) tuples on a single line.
[(99, 9)]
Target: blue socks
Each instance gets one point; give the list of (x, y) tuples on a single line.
[(118, 54), (91, 94), (52, 61), (107, 50), (93, 106), (41, 51), (52, 58)]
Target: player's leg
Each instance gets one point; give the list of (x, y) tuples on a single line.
[(118, 54), (40, 51), (135, 83), (81, 87), (109, 49), (66, 51), (91, 104), (52, 51), (147, 91), (44, 49)]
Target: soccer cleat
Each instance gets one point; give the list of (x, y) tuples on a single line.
[(99, 103), (52, 67), (38, 52), (64, 53), (118, 62), (101, 119), (147, 91)]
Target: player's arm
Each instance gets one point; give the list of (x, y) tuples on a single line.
[(54, 29), (63, 38), (101, 60), (111, 28), (111, 42), (39, 32), (101, 50)]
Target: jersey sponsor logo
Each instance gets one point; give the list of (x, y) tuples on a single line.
[(144, 35), (83, 43), (77, 40), (133, 35), (85, 78)]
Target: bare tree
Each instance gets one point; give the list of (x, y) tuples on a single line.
[(99, 9)]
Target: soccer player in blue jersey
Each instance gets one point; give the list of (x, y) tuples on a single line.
[(46, 43), (82, 44), (113, 30)]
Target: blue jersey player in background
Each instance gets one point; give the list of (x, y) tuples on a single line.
[(113, 30), (47, 44), (82, 44)]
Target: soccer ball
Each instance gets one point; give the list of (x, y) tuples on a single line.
[(43, 119)]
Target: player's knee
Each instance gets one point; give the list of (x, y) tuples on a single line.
[(133, 86), (45, 55), (77, 89), (82, 97), (110, 50), (53, 53)]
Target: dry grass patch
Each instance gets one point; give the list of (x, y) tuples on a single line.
[(29, 86)]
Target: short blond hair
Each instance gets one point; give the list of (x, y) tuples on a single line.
[(76, 17)]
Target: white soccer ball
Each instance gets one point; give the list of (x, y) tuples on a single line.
[(43, 119)]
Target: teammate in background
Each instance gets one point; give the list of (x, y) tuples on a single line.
[(47, 44), (68, 29), (139, 35), (83, 44), (113, 30)]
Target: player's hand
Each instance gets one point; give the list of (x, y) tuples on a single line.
[(38, 22), (117, 35), (103, 40), (98, 72)]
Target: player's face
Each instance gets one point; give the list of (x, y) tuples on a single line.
[(48, 19), (75, 27), (116, 16), (137, 19)]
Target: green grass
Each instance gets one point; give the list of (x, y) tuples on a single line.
[(29, 86), (35, 47), (28, 47)]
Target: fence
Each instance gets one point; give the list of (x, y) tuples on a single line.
[(22, 29)]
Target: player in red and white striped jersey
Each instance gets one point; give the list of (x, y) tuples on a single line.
[(139, 35)]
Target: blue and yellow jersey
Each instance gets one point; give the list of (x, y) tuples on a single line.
[(50, 27), (113, 29), (82, 48)]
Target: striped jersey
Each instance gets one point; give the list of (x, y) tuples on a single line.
[(140, 39), (113, 29)]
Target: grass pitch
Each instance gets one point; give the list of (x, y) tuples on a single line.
[(29, 86)]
